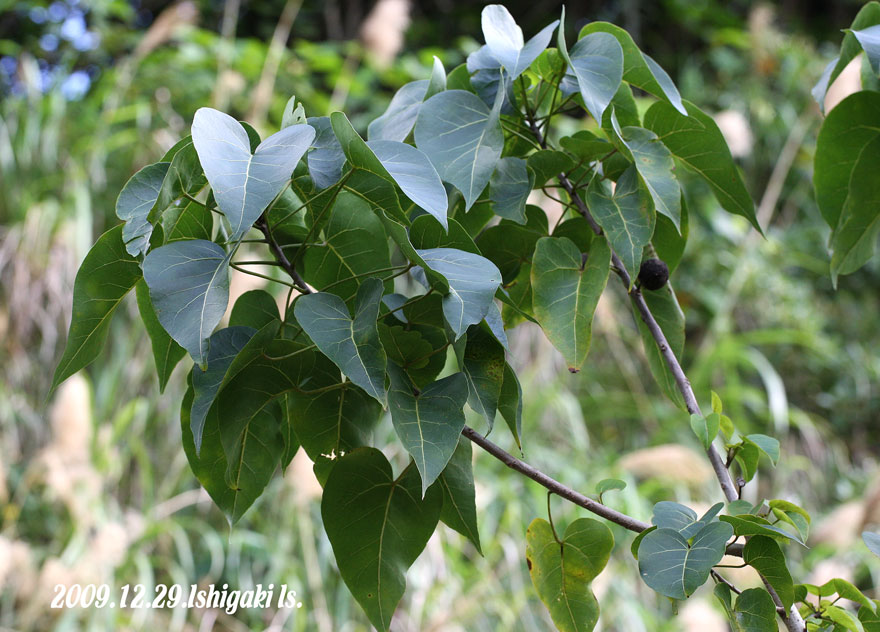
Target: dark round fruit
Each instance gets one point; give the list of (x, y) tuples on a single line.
[(653, 274)]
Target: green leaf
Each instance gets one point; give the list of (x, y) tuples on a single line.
[(597, 63), (189, 287), (106, 275), (510, 404), (244, 183), (696, 140), (396, 163), (764, 555), (294, 113), (414, 174), (325, 158), (462, 138), (609, 484), (483, 365), (548, 164), (847, 591), (185, 177), (625, 215), (872, 541), (562, 571), (664, 305), (505, 42), (854, 240), (134, 204), (706, 428), (437, 83), (746, 525), (400, 116), (586, 146), (639, 69), (351, 342), (717, 406), (869, 39), (655, 166), (166, 352), (793, 515), (668, 244), (637, 541), (225, 345), (869, 15), (672, 515), (187, 221), (739, 507), (256, 308), (377, 526), (429, 421), (472, 280), (675, 568), (457, 482), (334, 421), (767, 445), (426, 233), (355, 246), (747, 457), (870, 618), (509, 187), (755, 611), (844, 618), (508, 246), (565, 292)]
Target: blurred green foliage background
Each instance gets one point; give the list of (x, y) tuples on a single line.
[(94, 486)]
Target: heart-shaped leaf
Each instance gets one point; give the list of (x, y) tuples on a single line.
[(429, 421), (397, 121), (224, 346), (755, 611), (505, 41), (566, 291), (764, 555), (414, 174), (378, 526), (462, 138), (473, 281), (675, 568), (696, 140), (106, 275), (597, 63), (325, 158), (351, 342), (482, 362), (625, 215), (189, 287), (457, 482), (245, 182), (134, 204), (562, 571), (510, 187), (166, 352)]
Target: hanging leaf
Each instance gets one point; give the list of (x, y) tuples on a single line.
[(351, 342), (166, 352), (626, 217), (225, 345), (245, 182), (764, 555), (638, 68), (428, 422), (510, 404), (185, 177), (457, 482), (664, 306), (566, 291), (562, 571), (510, 186), (597, 63), (462, 138), (472, 280), (755, 611), (398, 119), (482, 362), (255, 308), (696, 140), (676, 568), (377, 526), (134, 204), (106, 275), (325, 158), (189, 287), (655, 166)]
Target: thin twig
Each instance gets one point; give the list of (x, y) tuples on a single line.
[(263, 226)]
